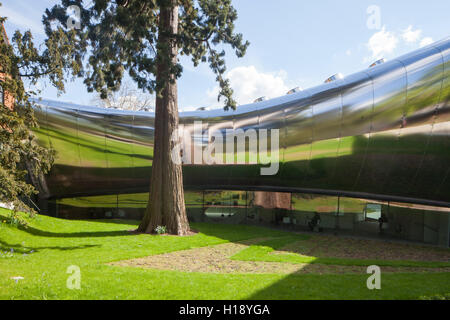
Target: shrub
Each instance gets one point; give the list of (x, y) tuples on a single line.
[(17, 219), (161, 229)]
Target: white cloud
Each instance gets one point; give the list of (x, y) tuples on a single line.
[(426, 41), (248, 84), (381, 43), (411, 36), (348, 52)]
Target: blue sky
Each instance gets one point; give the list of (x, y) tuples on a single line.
[(293, 43)]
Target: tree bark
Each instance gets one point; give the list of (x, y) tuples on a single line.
[(166, 205)]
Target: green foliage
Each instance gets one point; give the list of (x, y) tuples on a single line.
[(21, 157), (119, 36), (17, 219), (161, 229)]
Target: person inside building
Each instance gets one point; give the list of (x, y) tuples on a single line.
[(381, 220), (315, 222)]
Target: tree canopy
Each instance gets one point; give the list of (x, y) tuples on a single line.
[(122, 35), (22, 158)]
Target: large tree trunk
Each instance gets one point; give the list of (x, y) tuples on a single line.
[(166, 201)]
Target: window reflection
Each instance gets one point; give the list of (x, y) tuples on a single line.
[(293, 211)]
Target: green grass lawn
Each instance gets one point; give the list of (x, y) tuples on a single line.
[(42, 252)]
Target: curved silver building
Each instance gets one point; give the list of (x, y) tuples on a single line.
[(382, 133)]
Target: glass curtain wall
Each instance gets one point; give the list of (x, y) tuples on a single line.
[(293, 211)]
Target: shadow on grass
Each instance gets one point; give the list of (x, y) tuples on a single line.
[(93, 234), (18, 248), (133, 223), (238, 232), (354, 287), (313, 286)]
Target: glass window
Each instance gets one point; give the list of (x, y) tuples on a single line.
[(373, 211)]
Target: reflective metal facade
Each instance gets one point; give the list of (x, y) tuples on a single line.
[(382, 133)]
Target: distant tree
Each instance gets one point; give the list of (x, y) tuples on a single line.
[(22, 159), (144, 38), (126, 98)]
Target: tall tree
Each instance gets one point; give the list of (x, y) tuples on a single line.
[(145, 38), (21, 158)]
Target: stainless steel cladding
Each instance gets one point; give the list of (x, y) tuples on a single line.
[(382, 133)]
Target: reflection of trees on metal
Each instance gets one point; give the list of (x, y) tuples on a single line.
[(273, 200), (383, 133), (128, 97)]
